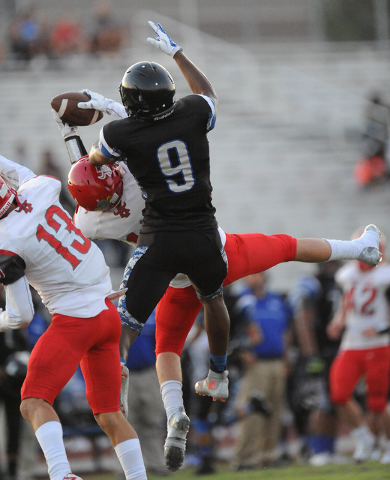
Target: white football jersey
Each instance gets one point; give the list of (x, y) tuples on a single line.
[(67, 270), (123, 223), (367, 304)]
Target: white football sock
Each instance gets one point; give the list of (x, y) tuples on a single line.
[(49, 436), (172, 396), (351, 249), (130, 457)]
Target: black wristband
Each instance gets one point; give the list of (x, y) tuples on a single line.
[(80, 144)]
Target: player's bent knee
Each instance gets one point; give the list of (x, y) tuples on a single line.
[(30, 406), (105, 420)]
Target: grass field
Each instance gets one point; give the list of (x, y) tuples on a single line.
[(366, 471)]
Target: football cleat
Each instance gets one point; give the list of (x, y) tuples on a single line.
[(71, 476), (364, 446), (385, 459), (215, 385), (370, 238), (175, 443)]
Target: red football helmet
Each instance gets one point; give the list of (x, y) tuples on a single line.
[(7, 195), (382, 248), (95, 187)]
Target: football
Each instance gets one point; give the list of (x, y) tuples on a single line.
[(66, 106)]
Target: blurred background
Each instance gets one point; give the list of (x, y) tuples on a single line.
[(301, 144)]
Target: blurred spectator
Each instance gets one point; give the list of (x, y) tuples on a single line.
[(265, 371), (106, 33), (14, 355), (21, 155), (26, 36), (314, 301), (15, 348), (145, 407), (66, 37), (206, 414), (373, 167), (363, 320)]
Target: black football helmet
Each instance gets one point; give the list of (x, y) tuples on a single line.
[(147, 91)]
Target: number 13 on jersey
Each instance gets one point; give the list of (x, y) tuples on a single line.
[(55, 238)]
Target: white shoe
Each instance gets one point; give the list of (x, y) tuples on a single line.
[(215, 385), (320, 459), (369, 239), (364, 446), (376, 455), (385, 458), (386, 453), (175, 443), (71, 476)]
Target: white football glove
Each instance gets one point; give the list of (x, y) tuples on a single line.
[(163, 41), (103, 104), (124, 393), (65, 129)]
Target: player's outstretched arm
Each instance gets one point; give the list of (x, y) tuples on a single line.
[(196, 79), (73, 142)]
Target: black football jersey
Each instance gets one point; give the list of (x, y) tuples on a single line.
[(170, 160)]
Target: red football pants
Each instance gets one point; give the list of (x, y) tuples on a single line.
[(350, 365), (247, 254), (69, 341)]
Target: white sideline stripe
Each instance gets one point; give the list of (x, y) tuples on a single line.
[(63, 106), (95, 116)]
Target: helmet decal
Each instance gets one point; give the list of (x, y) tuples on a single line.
[(104, 172)]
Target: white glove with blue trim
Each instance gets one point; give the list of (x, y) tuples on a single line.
[(103, 104), (163, 41)]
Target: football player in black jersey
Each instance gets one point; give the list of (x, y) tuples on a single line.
[(166, 147)]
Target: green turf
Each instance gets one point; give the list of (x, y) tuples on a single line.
[(366, 471)]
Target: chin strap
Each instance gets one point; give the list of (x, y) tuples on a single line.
[(75, 148)]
